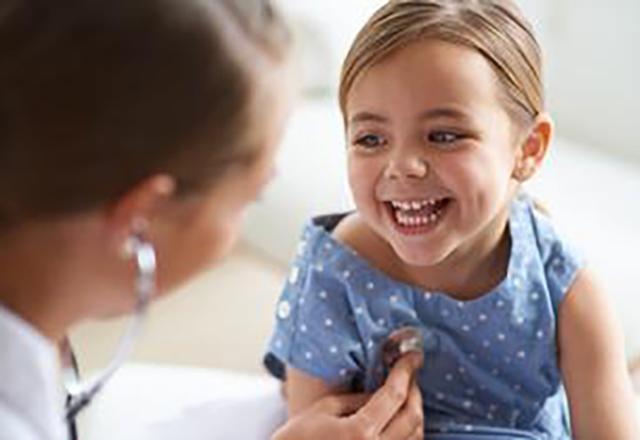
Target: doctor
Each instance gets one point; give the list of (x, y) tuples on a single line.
[(133, 135)]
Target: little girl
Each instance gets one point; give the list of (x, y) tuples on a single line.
[(444, 114)]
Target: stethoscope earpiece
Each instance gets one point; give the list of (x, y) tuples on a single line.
[(142, 253)]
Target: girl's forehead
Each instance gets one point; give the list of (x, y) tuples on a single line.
[(427, 73)]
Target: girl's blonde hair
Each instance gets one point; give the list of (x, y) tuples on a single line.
[(494, 28)]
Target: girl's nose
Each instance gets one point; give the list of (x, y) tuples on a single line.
[(405, 165)]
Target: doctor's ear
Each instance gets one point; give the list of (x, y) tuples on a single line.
[(135, 209), (533, 149)]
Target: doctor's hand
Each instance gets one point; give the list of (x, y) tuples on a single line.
[(394, 412)]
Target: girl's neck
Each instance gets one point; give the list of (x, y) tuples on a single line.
[(477, 268)]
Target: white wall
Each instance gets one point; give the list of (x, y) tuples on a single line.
[(593, 70), (336, 22)]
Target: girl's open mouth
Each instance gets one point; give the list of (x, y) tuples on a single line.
[(419, 216)]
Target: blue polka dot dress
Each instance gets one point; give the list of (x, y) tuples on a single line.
[(491, 366)]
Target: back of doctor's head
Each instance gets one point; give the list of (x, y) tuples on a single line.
[(96, 95)]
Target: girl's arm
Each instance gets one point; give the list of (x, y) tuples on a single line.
[(593, 365), (304, 390), (393, 412)]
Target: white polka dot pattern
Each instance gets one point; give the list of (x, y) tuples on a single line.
[(486, 360)]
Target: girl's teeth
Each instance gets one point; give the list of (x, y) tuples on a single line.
[(411, 213), (415, 205), (408, 220)]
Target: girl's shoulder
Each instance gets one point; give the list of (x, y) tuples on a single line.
[(351, 232), (331, 248), (556, 259), (354, 233), (338, 242), (536, 223)]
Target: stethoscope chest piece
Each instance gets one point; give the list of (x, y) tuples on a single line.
[(400, 342)]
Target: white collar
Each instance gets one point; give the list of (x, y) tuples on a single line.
[(30, 371)]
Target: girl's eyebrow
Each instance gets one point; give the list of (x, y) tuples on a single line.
[(445, 112), (368, 116), (435, 113)]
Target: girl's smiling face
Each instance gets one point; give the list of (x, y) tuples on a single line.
[(431, 151)]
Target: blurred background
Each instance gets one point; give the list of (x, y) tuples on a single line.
[(591, 181)]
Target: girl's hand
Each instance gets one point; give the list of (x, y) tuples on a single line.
[(394, 412)]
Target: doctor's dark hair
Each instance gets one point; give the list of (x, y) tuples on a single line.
[(496, 29), (97, 95)]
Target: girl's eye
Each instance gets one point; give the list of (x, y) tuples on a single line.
[(369, 141), (444, 137)]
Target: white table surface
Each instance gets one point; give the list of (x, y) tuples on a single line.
[(145, 402)]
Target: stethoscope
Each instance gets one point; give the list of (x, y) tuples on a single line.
[(408, 339), (404, 340), (81, 393)]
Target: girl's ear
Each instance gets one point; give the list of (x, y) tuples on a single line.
[(135, 209), (534, 148)]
